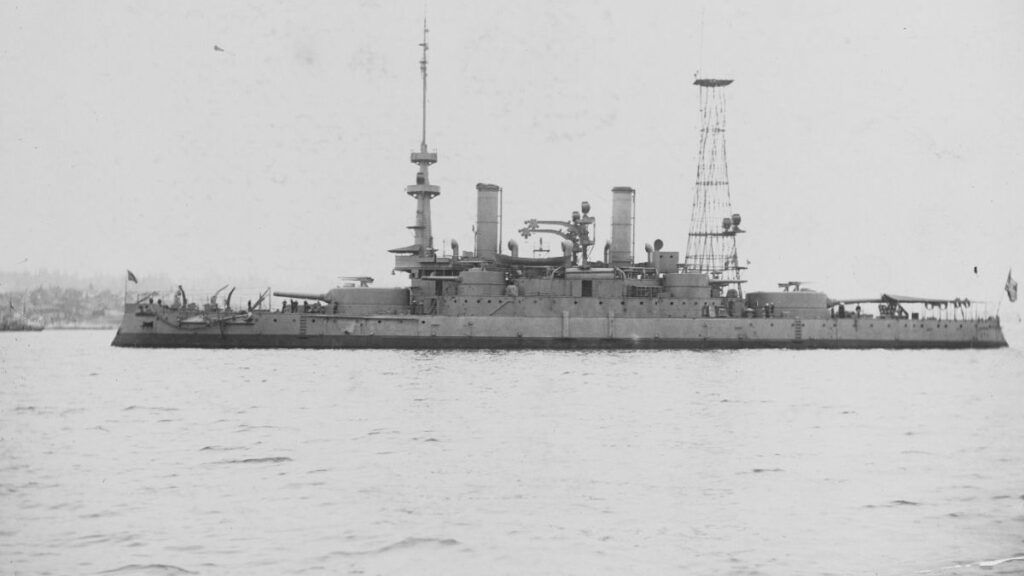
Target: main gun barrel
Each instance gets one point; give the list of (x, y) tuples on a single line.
[(302, 296)]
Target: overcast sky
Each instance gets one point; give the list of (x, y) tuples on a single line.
[(873, 146)]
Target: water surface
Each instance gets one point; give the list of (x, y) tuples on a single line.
[(119, 461)]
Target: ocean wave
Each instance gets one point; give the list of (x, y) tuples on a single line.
[(893, 504), (221, 448), (993, 563), (986, 564), (266, 460), (89, 540), (149, 569), (248, 427), (405, 544)]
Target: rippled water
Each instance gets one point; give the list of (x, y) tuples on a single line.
[(127, 462)]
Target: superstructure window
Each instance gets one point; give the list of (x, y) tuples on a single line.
[(588, 288)]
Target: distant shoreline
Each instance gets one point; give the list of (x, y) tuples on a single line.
[(81, 327)]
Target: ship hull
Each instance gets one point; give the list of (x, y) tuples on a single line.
[(283, 330), (498, 343)]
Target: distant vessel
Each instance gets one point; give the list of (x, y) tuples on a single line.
[(12, 321), (486, 298)]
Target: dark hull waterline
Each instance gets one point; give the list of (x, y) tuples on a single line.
[(515, 343)]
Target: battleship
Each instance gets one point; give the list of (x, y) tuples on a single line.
[(583, 297)]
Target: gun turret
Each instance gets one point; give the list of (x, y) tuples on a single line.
[(358, 300), (302, 296)]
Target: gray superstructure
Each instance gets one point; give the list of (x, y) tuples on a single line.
[(573, 297)]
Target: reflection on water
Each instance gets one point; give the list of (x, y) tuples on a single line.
[(128, 462)]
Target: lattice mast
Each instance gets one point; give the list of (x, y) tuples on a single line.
[(711, 244)]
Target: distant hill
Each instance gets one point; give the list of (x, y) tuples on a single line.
[(26, 280), (65, 307), (11, 281), (60, 299)]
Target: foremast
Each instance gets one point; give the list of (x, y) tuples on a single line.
[(423, 191)]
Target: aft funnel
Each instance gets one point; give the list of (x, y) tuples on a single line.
[(623, 208)]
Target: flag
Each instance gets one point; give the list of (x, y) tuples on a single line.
[(132, 278), (1011, 287)]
